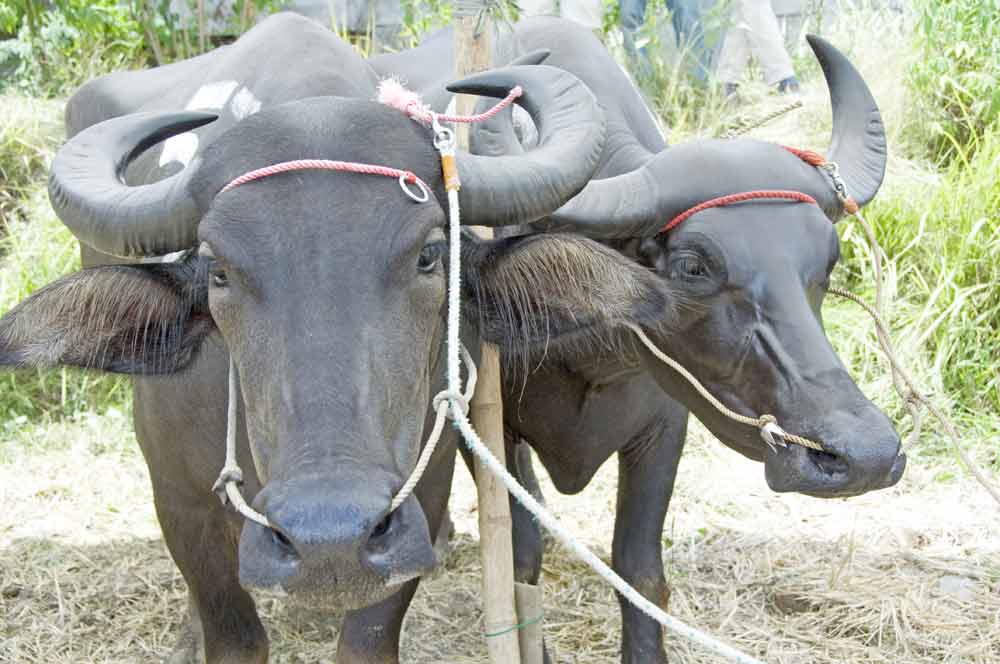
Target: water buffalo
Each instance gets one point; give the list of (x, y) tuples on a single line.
[(754, 276), (328, 290)]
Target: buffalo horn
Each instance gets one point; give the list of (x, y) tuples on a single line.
[(639, 203), (517, 189), (89, 195)]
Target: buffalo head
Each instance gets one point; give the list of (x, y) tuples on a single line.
[(754, 275)]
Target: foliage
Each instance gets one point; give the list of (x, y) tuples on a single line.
[(421, 17), (36, 250), (29, 133), (943, 244), (59, 47), (957, 76)]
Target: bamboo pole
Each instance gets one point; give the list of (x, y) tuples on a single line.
[(201, 26), (473, 53)]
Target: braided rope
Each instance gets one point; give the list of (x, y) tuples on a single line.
[(391, 93), (902, 381), (227, 486), (729, 199), (440, 405), (766, 423), (327, 165), (746, 126)]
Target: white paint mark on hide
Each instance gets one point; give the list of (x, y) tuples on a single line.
[(179, 148), (244, 104), (212, 96), (524, 127)]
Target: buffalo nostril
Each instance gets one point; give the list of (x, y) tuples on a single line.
[(282, 543), (382, 527), (830, 464)]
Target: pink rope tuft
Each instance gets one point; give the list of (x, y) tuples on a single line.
[(327, 165), (392, 93)]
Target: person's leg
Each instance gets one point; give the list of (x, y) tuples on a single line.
[(735, 51), (588, 13), (538, 8), (690, 34), (767, 42), (633, 13)]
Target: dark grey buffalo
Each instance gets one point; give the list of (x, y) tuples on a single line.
[(753, 275), (328, 290)]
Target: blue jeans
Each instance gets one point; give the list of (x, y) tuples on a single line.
[(686, 17)]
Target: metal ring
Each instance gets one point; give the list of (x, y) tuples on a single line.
[(444, 138), (773, 435), (409, 192)]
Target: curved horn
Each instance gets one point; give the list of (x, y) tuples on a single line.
[(507, 190), (496, 137), (89, 195), (858, 143), (639, 203)]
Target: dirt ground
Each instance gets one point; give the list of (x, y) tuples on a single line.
[(907, 575)]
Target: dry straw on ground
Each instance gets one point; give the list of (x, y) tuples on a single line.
[(907, 575)]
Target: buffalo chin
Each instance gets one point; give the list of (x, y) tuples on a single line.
[(794, 468), (345, 597)]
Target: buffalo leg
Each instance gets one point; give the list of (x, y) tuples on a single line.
[(647, 468), (526, 471), (223, 624), (371, 635)]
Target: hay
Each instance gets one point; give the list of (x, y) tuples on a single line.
[(907, 575)]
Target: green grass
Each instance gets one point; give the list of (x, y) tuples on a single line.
[(37, 249), (944, 244), (30, 130)]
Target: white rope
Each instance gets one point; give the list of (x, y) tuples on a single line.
[(440, 404), (521, 494), (770, 432), (227, 487)]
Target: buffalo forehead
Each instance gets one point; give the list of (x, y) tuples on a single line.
[(755, 234)]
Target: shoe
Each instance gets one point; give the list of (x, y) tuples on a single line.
[(789, 85)]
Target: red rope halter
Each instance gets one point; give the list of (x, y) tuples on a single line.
[(737, 198), (326, 165), (808, 156), (392, 94)]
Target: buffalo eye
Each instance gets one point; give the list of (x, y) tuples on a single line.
[(217, 275), (216, 272), (688, 266), (430, 256)]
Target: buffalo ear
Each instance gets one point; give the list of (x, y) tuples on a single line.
[(133, 319), (532, 292)]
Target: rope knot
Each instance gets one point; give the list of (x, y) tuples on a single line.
[(453, 396), (228, 475)]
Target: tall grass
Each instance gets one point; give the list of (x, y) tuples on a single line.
[(956, 79), (28, 134), (37, 249), (944, 245)]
